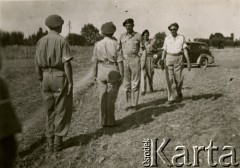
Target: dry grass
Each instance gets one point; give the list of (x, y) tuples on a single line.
[(210, 111)]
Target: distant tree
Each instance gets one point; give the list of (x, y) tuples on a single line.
[(90, 33), (76, 39), (216, 40), (33, 39), (4, 38), (160, 36)]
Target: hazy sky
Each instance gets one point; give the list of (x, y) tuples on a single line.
[(196, 18)]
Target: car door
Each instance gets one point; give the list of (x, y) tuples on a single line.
[(194, 52)]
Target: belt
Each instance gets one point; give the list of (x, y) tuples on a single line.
[(107, 63), (175, 54)]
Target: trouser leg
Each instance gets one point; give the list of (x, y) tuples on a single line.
[(63, 108), (102, 89), (135, 80), (143, 80), (112, 92), (150, 72), (127, 83), (169, 78), (48, 100), (178, 71)]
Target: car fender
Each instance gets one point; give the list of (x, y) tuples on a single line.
[(202, 56)]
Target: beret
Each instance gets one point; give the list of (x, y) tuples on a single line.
[(54, 21), (128, 21), (108, 28), (173, 24)]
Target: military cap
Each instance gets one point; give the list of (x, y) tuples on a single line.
[(173, 24), (108, 28), (128, 21), (54, 21)]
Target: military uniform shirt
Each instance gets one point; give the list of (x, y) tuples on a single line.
[(107, 50), (130, 44), (174, 45), (52, 51)]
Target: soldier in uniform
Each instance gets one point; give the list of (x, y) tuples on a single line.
[(9, 126), (108, 69), (130, 47), (55, 75), (147, 62), (174, 48)]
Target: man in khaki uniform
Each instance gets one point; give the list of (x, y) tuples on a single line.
[(130, 47), (55, 74), (108, 69), (174, 48), (147, 62), (9, 126)]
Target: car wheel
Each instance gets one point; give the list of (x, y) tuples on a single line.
[(204, 62)]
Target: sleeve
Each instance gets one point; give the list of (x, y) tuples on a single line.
[(66, 56), (94, 58), (165, 44), (9, 124), (184, 43)]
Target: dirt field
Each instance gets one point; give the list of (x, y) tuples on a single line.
[(210, 111)]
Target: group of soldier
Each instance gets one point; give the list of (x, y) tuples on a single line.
[(126, 61), (130, 61)]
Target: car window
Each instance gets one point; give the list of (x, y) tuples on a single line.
[(203, 47)]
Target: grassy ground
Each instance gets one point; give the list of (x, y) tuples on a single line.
[(210, 111)]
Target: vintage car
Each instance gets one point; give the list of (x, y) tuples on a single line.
[(199, 54)]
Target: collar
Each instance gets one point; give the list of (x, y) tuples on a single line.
[(53, 32), (174, 37), (132, 34)]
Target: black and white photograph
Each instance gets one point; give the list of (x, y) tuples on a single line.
[(119, 83)]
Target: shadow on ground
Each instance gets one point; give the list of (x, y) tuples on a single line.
[(134, 120)]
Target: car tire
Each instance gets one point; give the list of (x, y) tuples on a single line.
[(204, 62)]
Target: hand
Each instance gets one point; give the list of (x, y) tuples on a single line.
[(162, 64), (70, 89), (189, 66)]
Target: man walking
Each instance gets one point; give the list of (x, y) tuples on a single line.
[(130, 47), (55, 74), (174, 48)]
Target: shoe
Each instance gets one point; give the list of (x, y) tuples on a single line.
[(135, 108), (151, 89), (169, 102), (143, 93), (128, 108), (58, 143), (179, 98)]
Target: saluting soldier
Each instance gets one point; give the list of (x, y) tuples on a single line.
[(55, 75), (174, 48), (147, 63), (108, 69), (9, 126), (130, 47)]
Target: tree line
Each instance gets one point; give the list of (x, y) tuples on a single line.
[(89, 35), (219, 41)]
